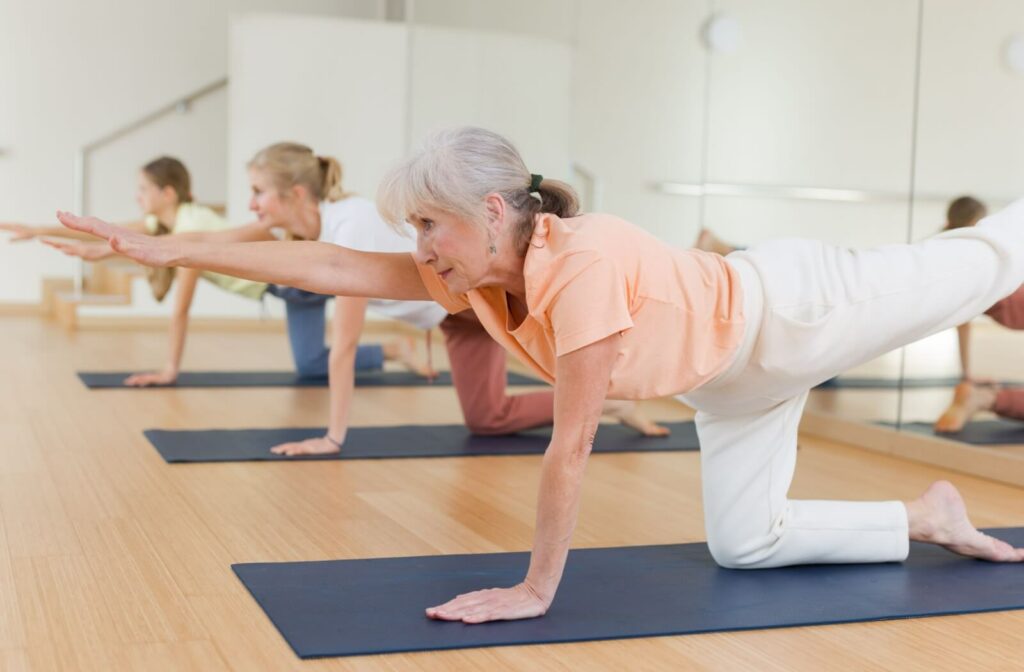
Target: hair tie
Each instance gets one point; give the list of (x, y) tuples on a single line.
[(535, 181)]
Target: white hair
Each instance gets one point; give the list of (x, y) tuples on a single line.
[(454, 171)]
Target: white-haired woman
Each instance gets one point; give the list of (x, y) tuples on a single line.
[(604, 309)]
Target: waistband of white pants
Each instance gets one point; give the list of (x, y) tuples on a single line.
[(753, 312)]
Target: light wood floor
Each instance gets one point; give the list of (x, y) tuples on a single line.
[(111, 559)]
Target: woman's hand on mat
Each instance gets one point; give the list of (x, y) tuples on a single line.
[(19, 232), (81, 249), (165, 377), (494, 604), (147, 250), (316, 446)]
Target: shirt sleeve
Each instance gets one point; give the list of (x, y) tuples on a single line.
[(453, 303), (585, 300)]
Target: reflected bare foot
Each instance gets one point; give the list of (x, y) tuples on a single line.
[(709, 242), (968, 399)]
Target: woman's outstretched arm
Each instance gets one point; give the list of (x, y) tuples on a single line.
[(21, 232), (316, 267)]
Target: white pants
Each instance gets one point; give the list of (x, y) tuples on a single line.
[(813, 311)]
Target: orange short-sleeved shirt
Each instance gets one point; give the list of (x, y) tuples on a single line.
[(679, 313)]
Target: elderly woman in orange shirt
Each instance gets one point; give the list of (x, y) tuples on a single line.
[(604, 309)]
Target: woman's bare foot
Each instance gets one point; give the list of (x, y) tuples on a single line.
[(968, 399), (626, 412), (939, 516), (403, 351), (709, 242)]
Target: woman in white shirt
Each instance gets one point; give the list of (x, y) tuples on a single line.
[(164, 194)]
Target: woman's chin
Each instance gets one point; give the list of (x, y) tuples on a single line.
[(455, 285)]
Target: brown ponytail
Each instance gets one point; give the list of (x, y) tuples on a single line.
[(167, 171)]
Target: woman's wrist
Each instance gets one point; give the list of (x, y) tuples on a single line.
[(543, 590)]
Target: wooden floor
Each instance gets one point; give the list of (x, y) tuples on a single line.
[(111, 559)]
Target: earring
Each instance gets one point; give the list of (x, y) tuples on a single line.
[(492, 249)]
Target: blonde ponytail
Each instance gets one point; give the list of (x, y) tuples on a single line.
[(288, 164), (330, 179)]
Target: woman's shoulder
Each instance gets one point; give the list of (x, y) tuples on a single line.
[(594, 232)]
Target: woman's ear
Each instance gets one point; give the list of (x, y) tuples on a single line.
[(495, 206)]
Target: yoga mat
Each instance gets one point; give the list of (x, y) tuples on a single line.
[(979, 433), (869, 383), (362, 607), (115, 379), (362, 443)]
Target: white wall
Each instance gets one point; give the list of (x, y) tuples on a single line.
[(364, 113), (337, 85), (71, 71), (454, 83), (637, 107), (970, 130), (552, 19)]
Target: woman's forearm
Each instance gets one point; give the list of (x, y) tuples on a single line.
[(176, 340), (557, 511), (581, 382), (239, 234), (346, 325), (341, 369), (313, 266), (183, 295)]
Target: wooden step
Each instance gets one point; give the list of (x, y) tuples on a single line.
[(115, 277), (65, 305)]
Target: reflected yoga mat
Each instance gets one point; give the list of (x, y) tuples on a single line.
[(864, 383), (362, 443), (362, 607), (979, 433), (115, 379)]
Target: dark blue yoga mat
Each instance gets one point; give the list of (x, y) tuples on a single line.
[(979, 433), (867, 383), (362, 443), (115, 379), (362, 607)]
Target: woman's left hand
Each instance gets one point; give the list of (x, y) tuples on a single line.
[(494, 604)]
